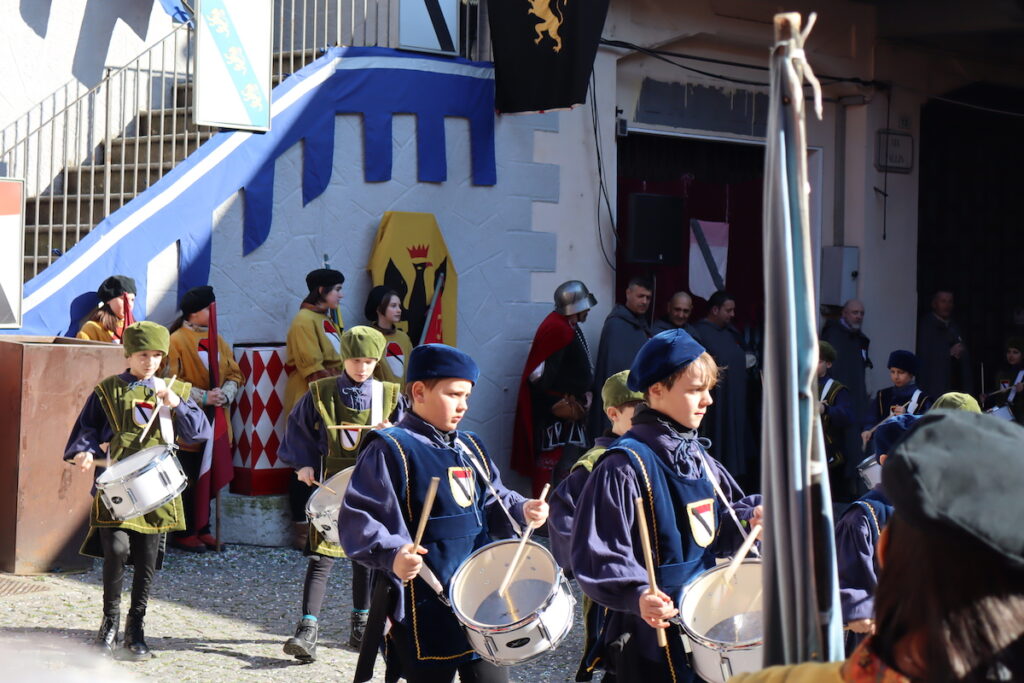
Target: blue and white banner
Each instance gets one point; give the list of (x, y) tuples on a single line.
[(233, 63)]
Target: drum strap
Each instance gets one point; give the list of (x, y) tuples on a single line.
[(1013, 392), (912, 408), (376, 402), (725, 501), (468, 452), (166, 425)]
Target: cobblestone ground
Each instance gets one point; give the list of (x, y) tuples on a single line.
[(212, 617)]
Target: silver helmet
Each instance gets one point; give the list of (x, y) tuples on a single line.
[(573, 297)]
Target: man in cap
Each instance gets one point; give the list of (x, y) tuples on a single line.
[(384, 502), (661, 461), (625, 330), (554, 390), (948, 605), (837, 417)]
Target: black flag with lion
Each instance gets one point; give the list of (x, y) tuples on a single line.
[(544, 51)]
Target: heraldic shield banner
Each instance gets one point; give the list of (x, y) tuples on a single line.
[(410, 256)]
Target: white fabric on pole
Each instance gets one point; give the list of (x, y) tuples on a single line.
[(702, 283)]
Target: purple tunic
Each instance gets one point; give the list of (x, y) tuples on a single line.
[(305, 439), (371, 522), (562, 509), (605, 543), (855, 556), (93, 429)]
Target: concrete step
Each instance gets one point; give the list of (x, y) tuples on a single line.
[(131, 178), (183, 91), (150, 147), (169, 121), (63, 209)]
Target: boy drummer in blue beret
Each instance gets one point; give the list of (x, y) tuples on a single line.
[(382, 506), (660, 460)]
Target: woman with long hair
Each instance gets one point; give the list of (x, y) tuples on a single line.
[(384, 311), (113, 313)]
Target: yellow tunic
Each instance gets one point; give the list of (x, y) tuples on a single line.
[(314, 344), (391, 367), (188, 360), (96, 332), (810, 672)]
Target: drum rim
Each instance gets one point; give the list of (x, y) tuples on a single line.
[(531, 617), (313, 495), (152, 464), (156, 506), (711, 643), (870, 461)]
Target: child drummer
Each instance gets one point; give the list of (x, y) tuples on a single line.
[(385, 498), (316, 451), (661, 460), (116, 413)]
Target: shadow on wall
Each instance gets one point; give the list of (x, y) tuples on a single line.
[(98, 21)]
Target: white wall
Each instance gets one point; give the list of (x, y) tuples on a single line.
[(49, 43)]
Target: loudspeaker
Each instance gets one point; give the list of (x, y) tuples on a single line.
[(656, 229)]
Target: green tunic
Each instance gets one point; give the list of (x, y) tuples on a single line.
[(342, 445), (118, 401)]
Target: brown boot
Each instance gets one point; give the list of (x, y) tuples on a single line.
[(300, 535)]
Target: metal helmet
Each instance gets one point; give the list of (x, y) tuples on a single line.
[(573, 297)]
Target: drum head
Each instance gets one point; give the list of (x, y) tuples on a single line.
[(132, 463), (725, 615), (322, 499), (475, 584)]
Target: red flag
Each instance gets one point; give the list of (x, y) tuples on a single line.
[(216, 470)]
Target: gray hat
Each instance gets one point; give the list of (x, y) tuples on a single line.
[(573, 297)]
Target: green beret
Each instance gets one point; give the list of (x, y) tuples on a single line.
[(957, 401), (362, 342), (615, 393), (145, 336), (826, 352)]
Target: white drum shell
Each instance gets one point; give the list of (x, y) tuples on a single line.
[(1002, 412), (536, 631), (707, 602), (870, 471), (323, 507), (141, 483)]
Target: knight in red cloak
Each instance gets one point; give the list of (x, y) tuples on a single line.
[(554, 392)]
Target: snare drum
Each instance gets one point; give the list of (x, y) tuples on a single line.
[(323, 507), (870, 470), (724, 622), (141, 482), (534, 616), (1002, 412)]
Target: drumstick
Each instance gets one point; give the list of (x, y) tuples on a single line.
[(351, 426), (156, 411), (514, 565), (741, 554), (324, 486), (645, 540), (428, 503)]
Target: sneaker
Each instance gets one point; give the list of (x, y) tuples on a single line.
[(302, 645)]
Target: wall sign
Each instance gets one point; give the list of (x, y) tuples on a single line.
[(894, 151)]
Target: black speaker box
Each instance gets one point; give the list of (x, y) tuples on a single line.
[(657, 227)]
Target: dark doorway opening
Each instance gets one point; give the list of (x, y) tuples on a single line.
[(970, 235)]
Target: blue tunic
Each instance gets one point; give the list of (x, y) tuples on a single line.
[(857, 533), (606, 550), (562, 509), (382, 506), (895, 396)]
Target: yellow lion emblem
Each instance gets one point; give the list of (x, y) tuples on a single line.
[(550, 13)]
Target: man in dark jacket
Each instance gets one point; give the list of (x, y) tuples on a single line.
[(625, 330), (945, 363), (849, 368)]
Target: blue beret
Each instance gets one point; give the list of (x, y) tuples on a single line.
[(662, 356), (903, 360), (889, 433), (438, 361)]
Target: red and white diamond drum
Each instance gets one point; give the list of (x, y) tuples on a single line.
[(141, 483), (258, 422), (533, 617), (323, 506)]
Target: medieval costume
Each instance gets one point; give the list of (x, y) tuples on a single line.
[(726, 421), (104, 324), (939, 372), (910, 397), (622, 335), (837, 420), (310, 442), (116, 413), (392, 366)]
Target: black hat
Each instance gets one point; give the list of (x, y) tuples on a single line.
[(903, 360), (196, 299), (323, 277), (373, 300), (114, 286), (965, 471)]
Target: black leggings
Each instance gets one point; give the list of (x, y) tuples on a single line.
[(144, 550), (315, 587), (298, 494), (403, 648)]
